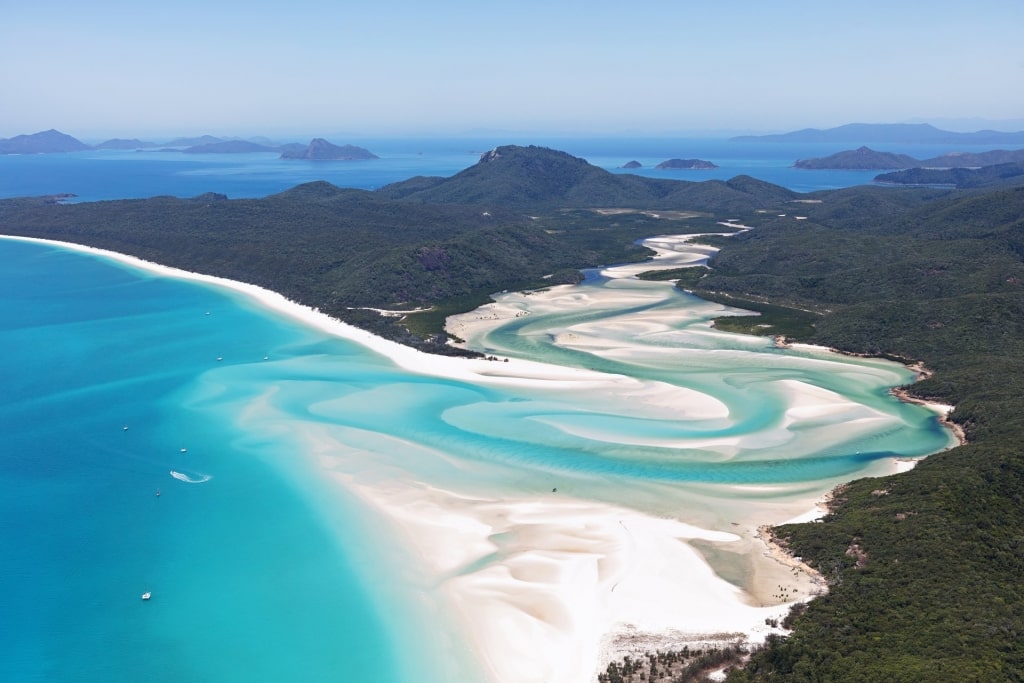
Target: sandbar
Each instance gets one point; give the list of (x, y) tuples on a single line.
[(553, 586)]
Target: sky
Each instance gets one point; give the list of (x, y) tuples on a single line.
[(112, 68)]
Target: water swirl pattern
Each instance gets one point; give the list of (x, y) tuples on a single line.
[(369, 512)]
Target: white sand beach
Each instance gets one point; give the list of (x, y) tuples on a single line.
[(552, 586)]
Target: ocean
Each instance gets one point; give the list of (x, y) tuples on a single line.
[(112, 174), (174, 437)]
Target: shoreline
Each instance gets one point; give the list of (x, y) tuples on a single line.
[(580, 581), (902, 393)]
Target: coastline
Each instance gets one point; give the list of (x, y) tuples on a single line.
[(902, 393), (573, 580)]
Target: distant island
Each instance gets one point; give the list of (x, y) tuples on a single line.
[(47, 142), (860, 159), (119, 143), (691, 164), (229, 147), (189, 142), (867, 159), (55, 142), (960, 178), (632, 164), (906, 133), (320, 149)]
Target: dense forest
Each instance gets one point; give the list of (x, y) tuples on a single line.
[(926, 569)]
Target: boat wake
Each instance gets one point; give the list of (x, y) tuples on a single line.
[(181, 476)]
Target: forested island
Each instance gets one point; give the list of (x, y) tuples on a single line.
[(925, 569), (866, 159), (695, 164)]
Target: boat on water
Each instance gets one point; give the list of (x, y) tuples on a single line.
[(147, 595)]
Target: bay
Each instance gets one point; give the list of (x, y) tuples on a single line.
[(287, 459), (266, 558)]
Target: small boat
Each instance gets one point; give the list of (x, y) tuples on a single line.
[(125, 428), (147, 595), (158, 493), (184, 450)]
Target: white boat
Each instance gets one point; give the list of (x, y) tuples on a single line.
[(147, 595)]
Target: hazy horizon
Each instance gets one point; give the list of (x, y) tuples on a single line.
[(117, 69), (341, 136)]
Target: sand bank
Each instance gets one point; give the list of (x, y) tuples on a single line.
[(551, 586)]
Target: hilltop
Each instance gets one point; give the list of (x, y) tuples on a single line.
[(860, 159), (46, 142), (445, 242), (688, 164), (867, 159), (515, 176)]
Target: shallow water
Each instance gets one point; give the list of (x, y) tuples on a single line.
[(263, 563)]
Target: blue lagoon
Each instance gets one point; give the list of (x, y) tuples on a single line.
[(307, 502)]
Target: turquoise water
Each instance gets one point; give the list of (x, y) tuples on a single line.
[(119, 384), (250, 580)]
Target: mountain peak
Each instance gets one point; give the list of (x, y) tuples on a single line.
[(44, 142)]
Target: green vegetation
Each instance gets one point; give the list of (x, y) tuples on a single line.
[(926, 568), (346, 251), (687, 278), (674, 666), (772, 320), (862, 158), (964, 178)]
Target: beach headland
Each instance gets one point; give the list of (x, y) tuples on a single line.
[(555, 584)]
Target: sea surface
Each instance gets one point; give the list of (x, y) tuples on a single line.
[(112, 174), (156, 438)]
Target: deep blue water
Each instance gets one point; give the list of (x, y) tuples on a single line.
[(129, 174)]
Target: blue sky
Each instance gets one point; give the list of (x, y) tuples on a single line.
[(108, 67)]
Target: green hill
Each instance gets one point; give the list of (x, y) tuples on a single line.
[(532, 177), (986, 176), (935, 276), (926, 569), (860, 159)]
